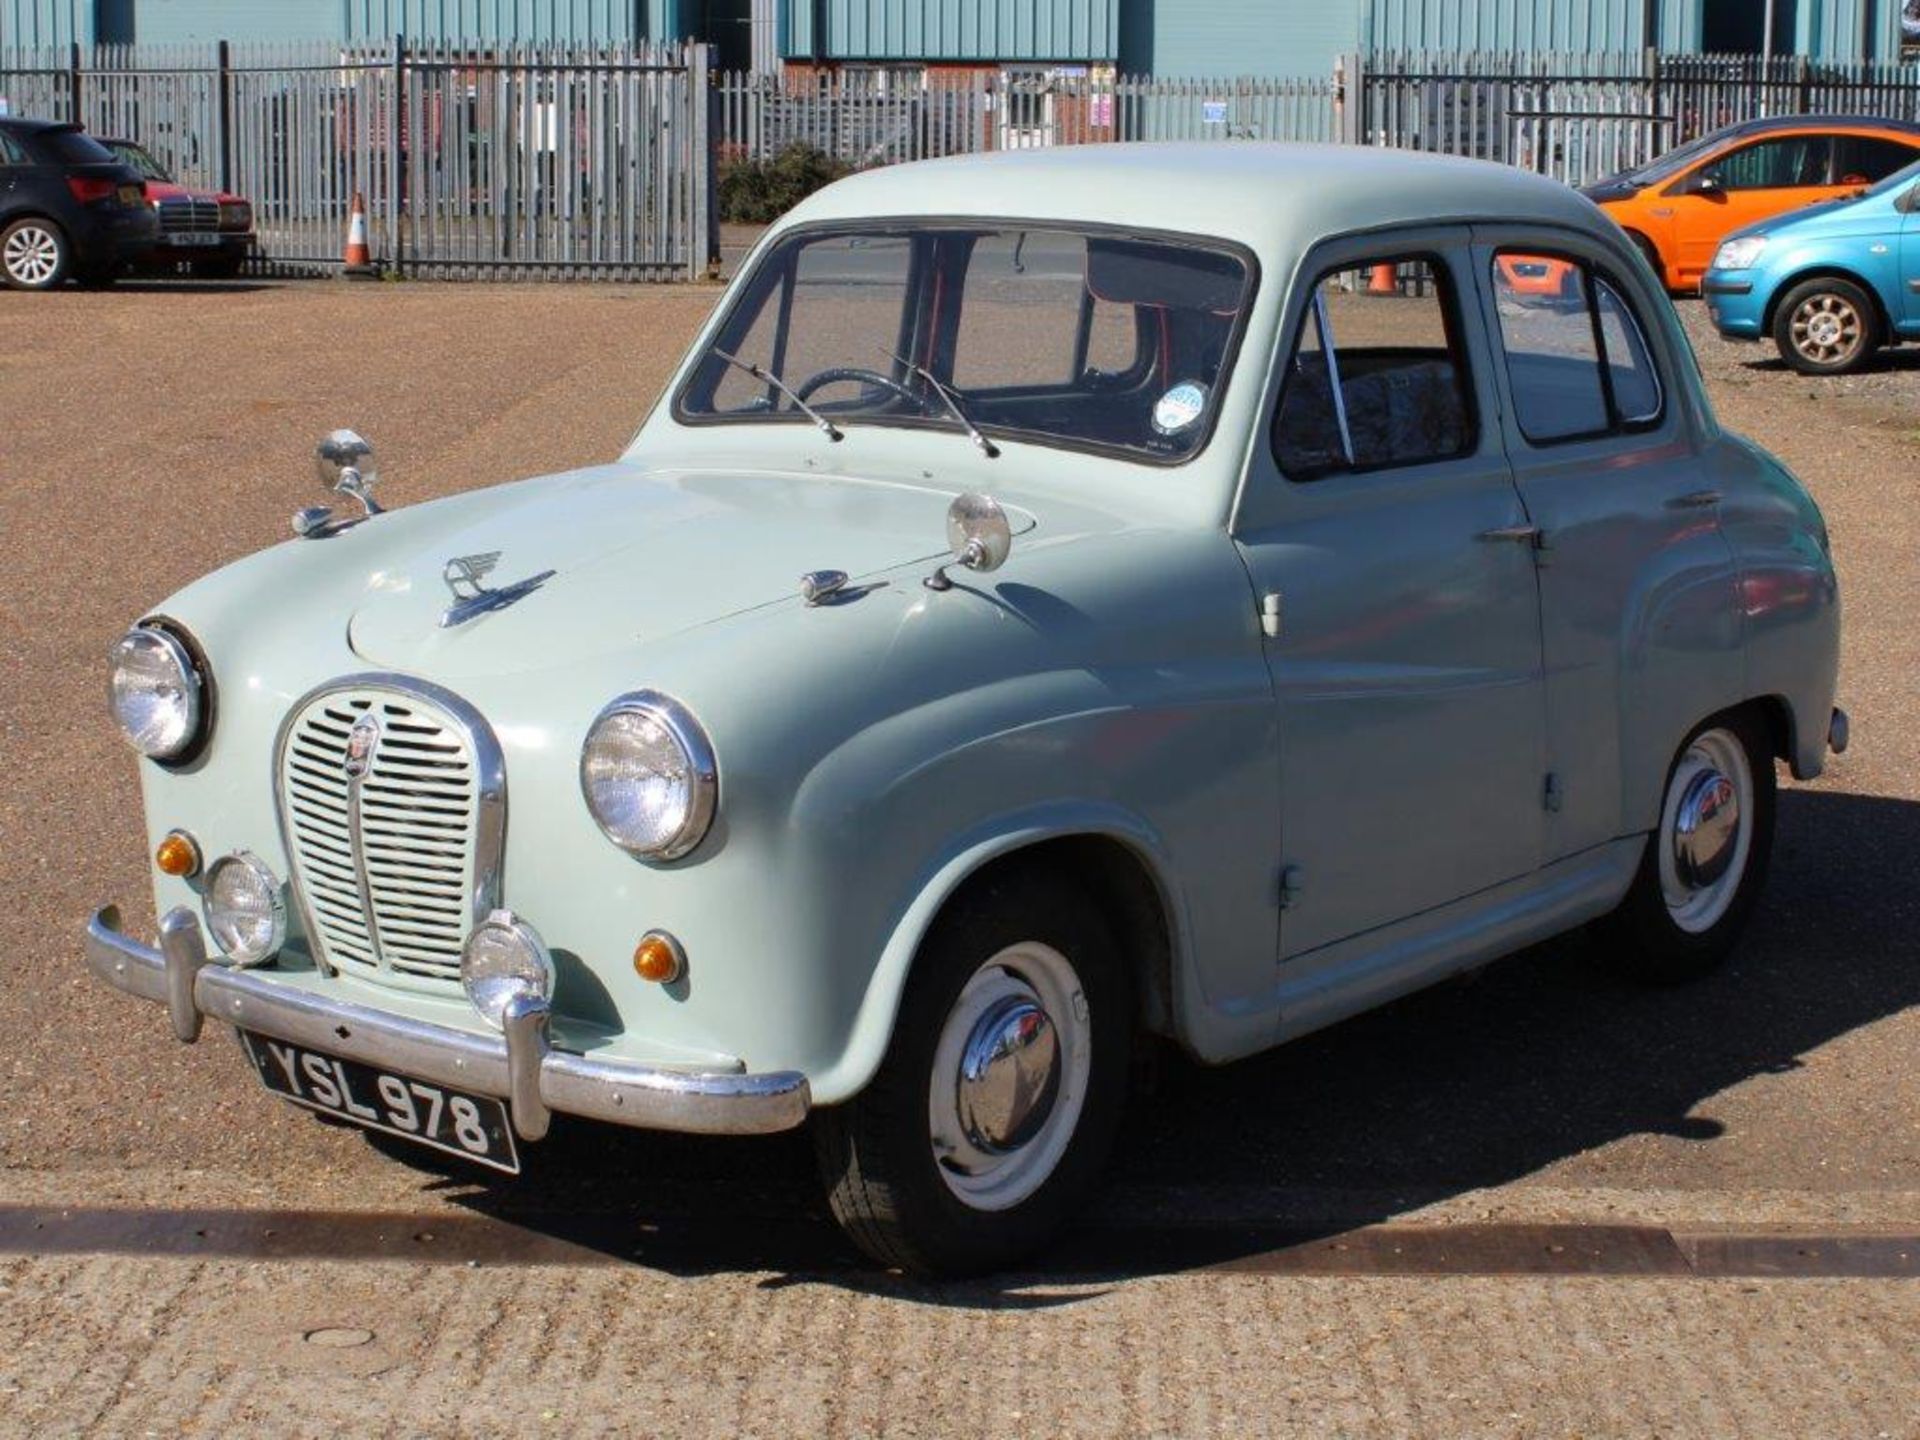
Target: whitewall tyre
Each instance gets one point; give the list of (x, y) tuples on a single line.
[(1001, 1093), (1705, 864)]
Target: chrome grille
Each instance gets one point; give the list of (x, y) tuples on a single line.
[(189, 215), (394, 865)]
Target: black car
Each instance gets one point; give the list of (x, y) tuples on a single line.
[(68, 208)]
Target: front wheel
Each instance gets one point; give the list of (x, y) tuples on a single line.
[(1704, 865), (1001, 1093), (33, 255), (1826, 326)]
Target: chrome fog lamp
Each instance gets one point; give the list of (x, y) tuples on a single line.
[(156, 692), (245, 908), (504, 959), (649, 776)]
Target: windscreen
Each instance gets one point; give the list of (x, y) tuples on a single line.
[(1084, 338), (139, 159)]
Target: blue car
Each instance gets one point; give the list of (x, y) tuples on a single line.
[(1830, 284)]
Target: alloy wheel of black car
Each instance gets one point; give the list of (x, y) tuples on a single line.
[(33, 254)]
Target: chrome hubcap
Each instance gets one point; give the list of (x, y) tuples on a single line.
[(1009, 1076), (1706, 830), (32, 254), (1826, 329)]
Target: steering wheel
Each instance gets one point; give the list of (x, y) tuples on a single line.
[(823, 378)]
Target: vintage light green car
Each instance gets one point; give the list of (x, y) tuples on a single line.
[(1063, 598)]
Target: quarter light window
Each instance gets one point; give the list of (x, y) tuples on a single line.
[(1577, 358), (1378, 378)]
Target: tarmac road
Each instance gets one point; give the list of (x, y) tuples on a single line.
[(1534, 1203)]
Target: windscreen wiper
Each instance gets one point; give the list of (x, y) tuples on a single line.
[(767, 377), (952, 399)]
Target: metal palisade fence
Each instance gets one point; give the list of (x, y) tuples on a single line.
[(872, 117), (1580, 117), (550, 161), (492, 161)]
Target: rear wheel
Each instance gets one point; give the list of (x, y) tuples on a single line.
[(33, 254), (1706, 862), (1826, 326), (1001, 1092)]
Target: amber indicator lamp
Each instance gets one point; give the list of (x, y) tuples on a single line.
[(177, 855), (659, 958)]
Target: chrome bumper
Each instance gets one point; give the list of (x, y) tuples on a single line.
[(520, 1067)]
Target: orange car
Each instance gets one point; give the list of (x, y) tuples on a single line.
[(1680, 207)]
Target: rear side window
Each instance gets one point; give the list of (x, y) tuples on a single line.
[(10, 151), (1378, 377), (70, 147), (1577, 357), (1868, 159)]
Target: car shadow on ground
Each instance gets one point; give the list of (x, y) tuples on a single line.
[(1888, 360), (1463, 1086)]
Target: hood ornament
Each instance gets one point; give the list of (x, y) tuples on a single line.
[(465, 576)]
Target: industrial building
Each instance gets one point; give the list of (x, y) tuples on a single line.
[(1199, 38)]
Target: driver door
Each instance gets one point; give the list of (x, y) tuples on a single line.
[(1744, 185)]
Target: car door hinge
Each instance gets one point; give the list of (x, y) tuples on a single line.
[(1551, 794), (1292, 880), (1270, 615)]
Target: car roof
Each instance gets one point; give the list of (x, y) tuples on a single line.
[(29, 126), (1273, 197), (1817, 122)]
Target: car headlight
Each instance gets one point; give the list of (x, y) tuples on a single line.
[(1739, 253), (504, 958), (156, 692), (649, 776), (236, 215), (245, 907)]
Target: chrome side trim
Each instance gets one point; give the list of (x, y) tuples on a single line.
[(534, 1078), (490, 766)]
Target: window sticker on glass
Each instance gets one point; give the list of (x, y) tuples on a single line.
[(1180, 408)]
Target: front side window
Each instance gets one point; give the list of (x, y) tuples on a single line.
[(1378, 377), (1083, 338), (1790, 162), (10, 151), (1577, 358)]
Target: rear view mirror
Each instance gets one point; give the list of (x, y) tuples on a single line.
[(1706, 183)]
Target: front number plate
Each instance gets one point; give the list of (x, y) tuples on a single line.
[(472, 1126), (195, 239)]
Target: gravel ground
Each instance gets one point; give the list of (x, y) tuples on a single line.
[(149, 435)]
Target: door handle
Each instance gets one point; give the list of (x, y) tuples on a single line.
[(1518, 534), (1695, 500)]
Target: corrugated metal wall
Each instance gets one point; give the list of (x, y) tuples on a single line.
[(1222, 38), (162, 22), (1011, 30), (32, 24), (1509, 24)]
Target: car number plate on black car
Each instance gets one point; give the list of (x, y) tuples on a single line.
[(473, 1126)]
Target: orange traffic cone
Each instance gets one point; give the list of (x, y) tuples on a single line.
[(1383, 281), (358, 259)]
